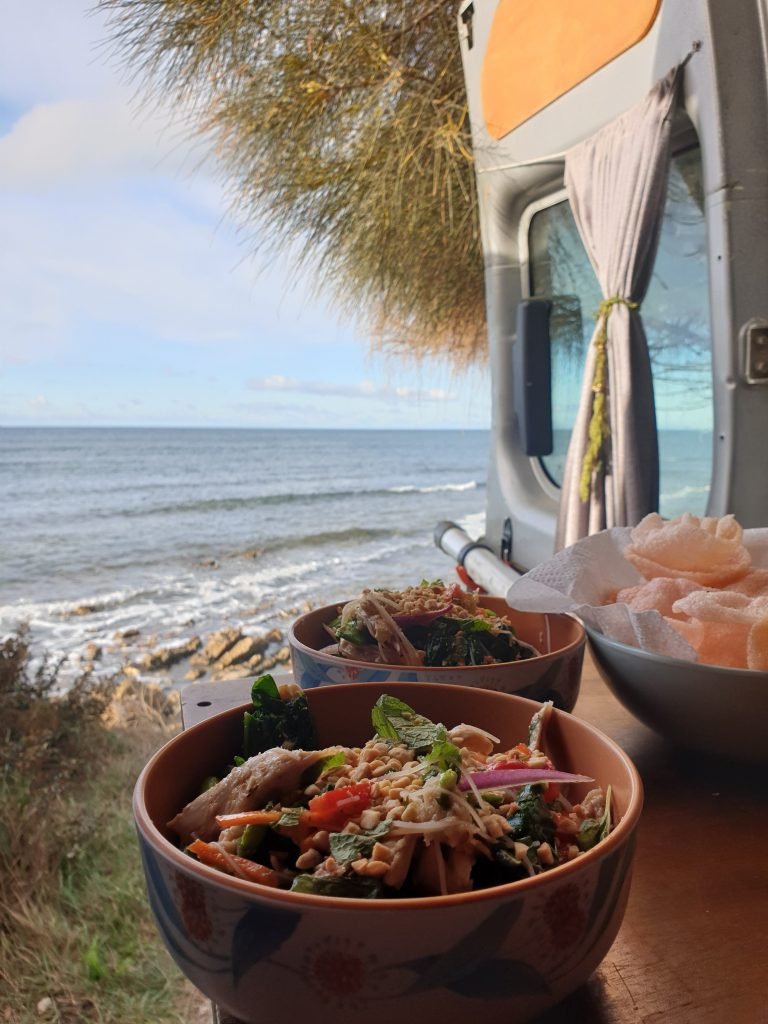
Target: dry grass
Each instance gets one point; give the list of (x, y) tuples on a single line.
[(76, 940), (344, 134)]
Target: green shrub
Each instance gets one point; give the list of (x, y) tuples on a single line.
[(76, 939)]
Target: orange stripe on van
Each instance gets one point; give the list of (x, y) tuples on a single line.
[(539, 49)]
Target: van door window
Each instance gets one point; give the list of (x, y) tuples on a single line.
[(676, 318)]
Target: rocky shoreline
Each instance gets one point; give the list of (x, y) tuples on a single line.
[(231, 652)]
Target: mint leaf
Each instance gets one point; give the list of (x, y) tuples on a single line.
[(394, 720), (290, 817), (445, 756), (349, 886), (346, 847)]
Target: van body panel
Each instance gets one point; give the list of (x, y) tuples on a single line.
[(539, 49), (725, 110)]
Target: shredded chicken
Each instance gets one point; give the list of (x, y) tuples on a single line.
[(275, 773)]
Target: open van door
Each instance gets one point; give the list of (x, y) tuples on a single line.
[(542, 76)]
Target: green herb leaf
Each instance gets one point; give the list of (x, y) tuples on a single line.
[(346, 847), (394, 720), (350, 886), (445, 756), (594, 830), (290, 817), (332, 761), (532, 820), (508, 860), (354, 632), (251, 839), (264, 686), (471, 642), (273, 722)]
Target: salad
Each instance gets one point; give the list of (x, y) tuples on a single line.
[(429, 624), (419, 810)]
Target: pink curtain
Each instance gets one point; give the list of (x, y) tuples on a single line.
[(616, 183)]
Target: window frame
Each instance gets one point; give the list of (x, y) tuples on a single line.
[(544, 480), (684, 139)]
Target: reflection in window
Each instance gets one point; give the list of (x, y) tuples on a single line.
[(676, 319)]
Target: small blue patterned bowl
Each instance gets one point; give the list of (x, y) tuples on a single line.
[(506, 953), (554, 675)]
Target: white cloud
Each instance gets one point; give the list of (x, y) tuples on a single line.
[(138, 262), (363, 389), (91, 140)]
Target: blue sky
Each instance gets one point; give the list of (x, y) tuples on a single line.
[(127, 295)]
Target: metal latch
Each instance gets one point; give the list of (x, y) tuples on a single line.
[(756, 352), (506, 541)]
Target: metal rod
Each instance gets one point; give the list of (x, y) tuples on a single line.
[(481, 564)]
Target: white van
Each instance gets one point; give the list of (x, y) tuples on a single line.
[(543, 75)]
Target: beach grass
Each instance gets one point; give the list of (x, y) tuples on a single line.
[(77, 942)]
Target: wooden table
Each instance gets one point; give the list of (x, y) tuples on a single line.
[(693, 947)]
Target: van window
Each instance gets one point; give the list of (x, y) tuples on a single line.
[(676, 318)]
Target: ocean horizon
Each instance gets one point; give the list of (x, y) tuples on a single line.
[(166, 533), (172, 532)]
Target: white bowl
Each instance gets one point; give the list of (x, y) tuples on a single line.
[(714, 710)]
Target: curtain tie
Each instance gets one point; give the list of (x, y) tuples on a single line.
[(599, 425)]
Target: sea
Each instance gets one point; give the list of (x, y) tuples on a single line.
[(182, 532), (165, 534)]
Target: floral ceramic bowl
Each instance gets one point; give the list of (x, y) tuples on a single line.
[(506, 953), (554, 675)]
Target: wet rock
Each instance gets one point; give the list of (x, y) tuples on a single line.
[(241, 651), (252, 554), (248, 647), (92, 652), (255, 663), (126, 634), (81, 609), (194, 673), (281, 657), (209, 563), (199, 660), (163, 657), (218, 643)]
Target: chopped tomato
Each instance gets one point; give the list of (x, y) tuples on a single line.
[(503, 765), (211, 855), (524, 749), (332, 809), (552, 792)]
